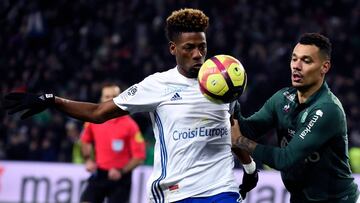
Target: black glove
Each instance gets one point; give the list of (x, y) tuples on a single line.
[(18, 101), (249, 181)]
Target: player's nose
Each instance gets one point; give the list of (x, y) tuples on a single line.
[(197, 54)]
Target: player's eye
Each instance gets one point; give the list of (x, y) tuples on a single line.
[(307, 60), (189, 47), (202, 47)]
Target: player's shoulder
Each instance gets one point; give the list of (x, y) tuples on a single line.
[(164, 75), (287, 93), (159, 79), (330, 107), (327, 105), (329, 102), (155, 81)]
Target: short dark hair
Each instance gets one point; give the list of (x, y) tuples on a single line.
[(319, 40), (185, 20)]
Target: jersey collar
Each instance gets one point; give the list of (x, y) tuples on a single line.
[(314, 97)]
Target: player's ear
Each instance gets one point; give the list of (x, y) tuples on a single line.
[(325, 67), (172, 48)]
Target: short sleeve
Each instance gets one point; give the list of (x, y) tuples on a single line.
[(142, 97)]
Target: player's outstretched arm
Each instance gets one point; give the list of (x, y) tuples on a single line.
[(32, 104), (91, 112)]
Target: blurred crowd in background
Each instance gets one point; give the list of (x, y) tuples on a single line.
[(70, 47)]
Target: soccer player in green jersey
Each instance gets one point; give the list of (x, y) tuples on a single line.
[(311, 129)]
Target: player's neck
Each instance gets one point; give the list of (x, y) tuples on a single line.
[(305, 94)]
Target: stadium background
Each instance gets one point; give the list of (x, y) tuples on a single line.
[(70, 47)]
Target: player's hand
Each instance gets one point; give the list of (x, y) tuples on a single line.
[(19, 101), (114, 174), (90, 166), (249, 181)]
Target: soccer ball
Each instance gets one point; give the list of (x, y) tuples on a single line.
[(222, 79)]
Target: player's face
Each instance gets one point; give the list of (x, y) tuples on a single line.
[(189, 50), (308, 67), (109, 93)]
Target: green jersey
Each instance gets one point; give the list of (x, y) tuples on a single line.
[(313, 153)]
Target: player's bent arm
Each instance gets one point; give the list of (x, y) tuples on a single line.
[(242, 155), (245, 144), (91, 112), (260, 122), (321, 126), (250, 176)]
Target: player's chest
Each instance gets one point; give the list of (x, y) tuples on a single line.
[(291, 118), (190, 99)]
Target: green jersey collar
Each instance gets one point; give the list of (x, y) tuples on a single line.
[(324, 88)]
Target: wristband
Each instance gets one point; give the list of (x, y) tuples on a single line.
[(250, 168)]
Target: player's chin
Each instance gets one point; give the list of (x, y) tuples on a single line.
[(295, 83), (298, 86), (194, 71)]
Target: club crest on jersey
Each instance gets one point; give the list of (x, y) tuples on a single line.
[(286, 108), (132, 90), (303, 117), (289, 96)]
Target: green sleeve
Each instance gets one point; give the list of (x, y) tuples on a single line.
[(321, 125), (260, 122)]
